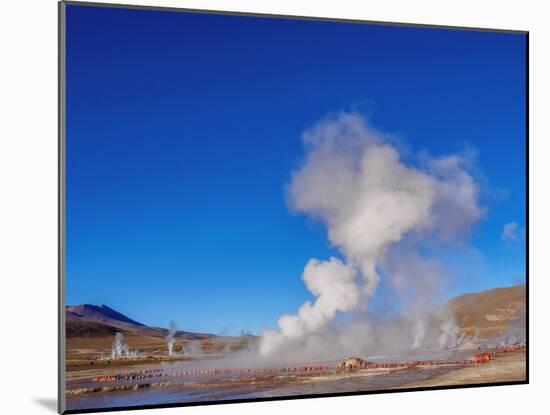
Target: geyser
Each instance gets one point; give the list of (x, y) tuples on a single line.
[(374, 206), (119, 348), (171, 338)]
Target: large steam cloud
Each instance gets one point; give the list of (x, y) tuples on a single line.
[(333, 284), (378, 212)]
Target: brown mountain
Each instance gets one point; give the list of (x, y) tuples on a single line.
[(491, 312), (86, 320), (101, 314)]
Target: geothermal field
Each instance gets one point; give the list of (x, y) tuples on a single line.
[(259, 208), (113, 361)]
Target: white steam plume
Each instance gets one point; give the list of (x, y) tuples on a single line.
[(119, 347), (171, 338), (333, 283), (354, 181)]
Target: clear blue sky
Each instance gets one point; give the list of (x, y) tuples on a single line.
[(182, 131)]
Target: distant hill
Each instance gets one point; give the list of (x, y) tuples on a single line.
[(484, 314), (87, 320), (99, 313), (490, 312)]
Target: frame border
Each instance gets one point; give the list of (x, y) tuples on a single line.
[(288, 17), (62, 135), (61, 229)]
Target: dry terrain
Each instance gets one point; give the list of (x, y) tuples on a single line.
[(507, 367), (490, 313)]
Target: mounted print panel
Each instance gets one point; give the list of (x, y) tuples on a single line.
[(272, 207)]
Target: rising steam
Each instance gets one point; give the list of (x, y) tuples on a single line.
[(119, 348), (379, 212), (171, 338)]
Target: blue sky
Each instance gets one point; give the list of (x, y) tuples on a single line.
[(183, 130)]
